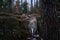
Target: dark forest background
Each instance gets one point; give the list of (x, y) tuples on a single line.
[(13, 28)]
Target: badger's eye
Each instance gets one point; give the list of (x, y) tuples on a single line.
[(31, 24)]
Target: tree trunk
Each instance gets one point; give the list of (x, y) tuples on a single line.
[(10, 5), (49, 20), (26, 7), (21, 6), (31, 5), (17, 7), (37, 3), (34, 2)]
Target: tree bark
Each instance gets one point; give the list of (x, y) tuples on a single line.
[(49, 24)]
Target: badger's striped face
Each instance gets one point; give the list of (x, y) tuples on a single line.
[(32, 25)]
